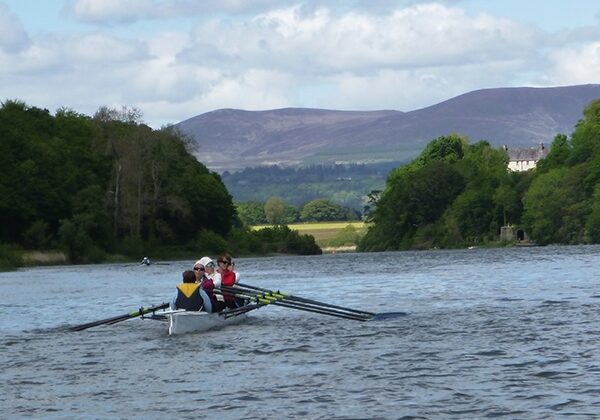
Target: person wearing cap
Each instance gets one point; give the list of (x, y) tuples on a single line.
[(211, 273), (206, 287), (209, 269), (189, 296)]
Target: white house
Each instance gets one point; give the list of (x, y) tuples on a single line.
[(520, 160)]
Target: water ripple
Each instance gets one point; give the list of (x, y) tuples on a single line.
[(450, 341)]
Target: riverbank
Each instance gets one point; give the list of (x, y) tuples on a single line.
[(336, 249), (31, 258), (324, 233)]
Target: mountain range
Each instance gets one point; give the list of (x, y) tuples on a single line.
[(231, 139)]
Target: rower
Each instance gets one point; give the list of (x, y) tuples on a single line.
[(210, 273), (189, 294), (146, 261)]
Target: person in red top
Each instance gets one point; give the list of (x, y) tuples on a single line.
[(228, 279), (226, 270)]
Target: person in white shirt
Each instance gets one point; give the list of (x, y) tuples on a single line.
[(211, 273)]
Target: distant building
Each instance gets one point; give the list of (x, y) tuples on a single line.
[(520, 160), (514, 233)]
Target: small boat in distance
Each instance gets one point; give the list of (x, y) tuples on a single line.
[(146, 261)]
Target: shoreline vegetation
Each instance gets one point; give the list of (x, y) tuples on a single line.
[(35, 258), (331, 237), (344, 236), (84, 190), (108, 188)]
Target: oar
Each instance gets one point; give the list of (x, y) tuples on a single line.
[(268, 300), (293, 305), (301, 299), (119, 318), (241, 310)]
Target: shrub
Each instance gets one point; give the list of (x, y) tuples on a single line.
[(10, 257), (284, 240), (346, 236), (210, 242)]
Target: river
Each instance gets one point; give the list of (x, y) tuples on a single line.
[(511, 333)]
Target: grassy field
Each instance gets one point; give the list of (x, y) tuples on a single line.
[(323, 232)]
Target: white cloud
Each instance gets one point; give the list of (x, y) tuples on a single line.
[(58, 54), (13, 37), (404, 59), (576, 65), (82, 72), (406, 90), (112, 11), (101, 49), (253, 90), (423, 35)]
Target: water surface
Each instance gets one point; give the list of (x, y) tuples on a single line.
[(508, 333)]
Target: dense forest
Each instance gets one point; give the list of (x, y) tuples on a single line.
[(458, 194), (344, 184), (108, 184)]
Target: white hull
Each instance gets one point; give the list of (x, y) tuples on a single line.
[(181, 322)]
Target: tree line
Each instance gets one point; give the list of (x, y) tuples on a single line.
[(457, 194), (275, 211), (109, 184)]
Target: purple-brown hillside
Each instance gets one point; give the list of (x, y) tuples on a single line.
[(230, 139)]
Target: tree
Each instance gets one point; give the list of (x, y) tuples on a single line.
[(251, 213), (558, 156), (321, 210), (446, 148), (506, 199), (473, 213), (544, 206), (585, 140), (290, 214), (415, 198), (593, 221), (275, 211), (98, 184)]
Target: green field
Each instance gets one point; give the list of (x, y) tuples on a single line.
[(324, 232)]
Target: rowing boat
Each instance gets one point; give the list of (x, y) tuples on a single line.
[(181, 322)]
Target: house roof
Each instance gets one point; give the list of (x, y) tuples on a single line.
[(533, 153)]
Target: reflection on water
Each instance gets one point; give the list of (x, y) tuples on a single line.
[(460, 334)]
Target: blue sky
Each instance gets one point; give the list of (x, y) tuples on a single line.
[(176, 59)]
